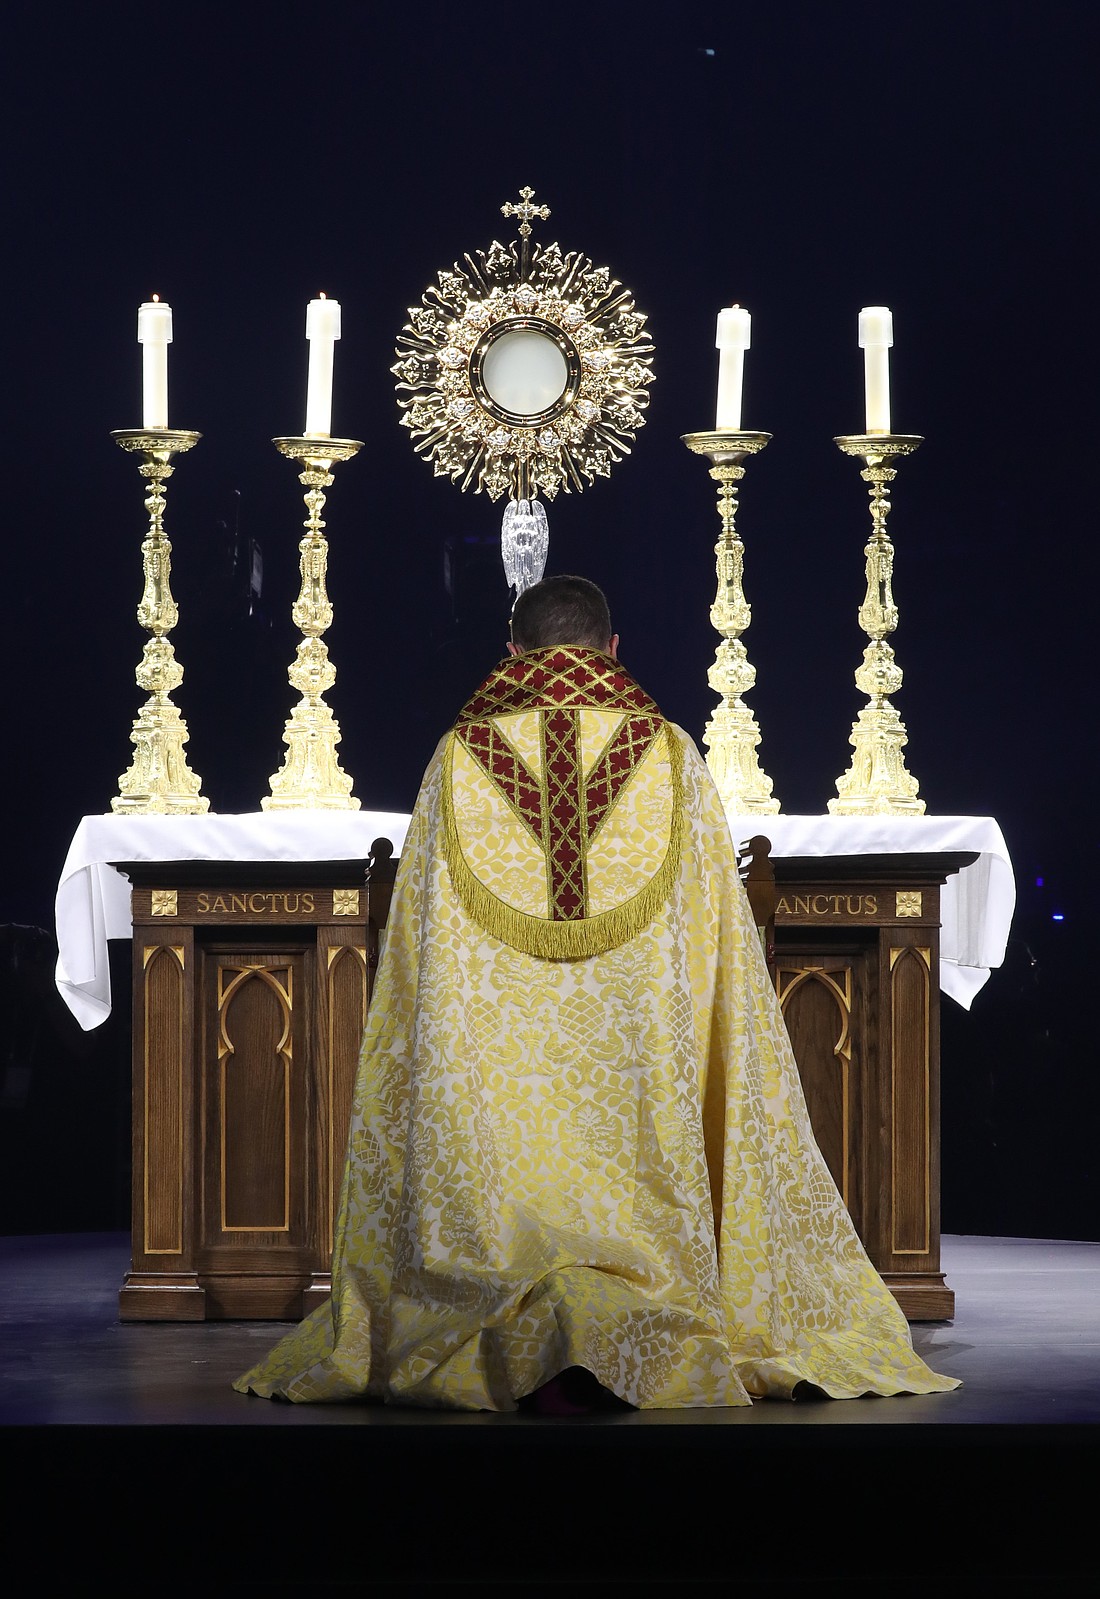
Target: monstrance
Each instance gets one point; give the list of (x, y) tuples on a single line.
[(524, 371)]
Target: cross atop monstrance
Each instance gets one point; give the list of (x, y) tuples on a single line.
[(525, 211)]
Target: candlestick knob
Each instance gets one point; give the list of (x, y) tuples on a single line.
[(732, 734), (877, 782)]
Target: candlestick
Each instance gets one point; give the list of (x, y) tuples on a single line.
[(311, 777), (154, 336), (877, 783), (876, 335), (732, 734), (732, 340), (159, 781), (322, 330)]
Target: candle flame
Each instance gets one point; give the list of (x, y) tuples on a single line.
[(156, 297), (322, 295)]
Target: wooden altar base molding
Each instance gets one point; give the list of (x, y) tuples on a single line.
[(151, 1296)]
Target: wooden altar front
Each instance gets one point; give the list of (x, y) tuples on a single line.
[(251, 985), (854, 953), (250, 990)]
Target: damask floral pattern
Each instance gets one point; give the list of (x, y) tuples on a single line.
[(604, 1162)]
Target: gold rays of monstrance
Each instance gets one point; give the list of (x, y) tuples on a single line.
[(523, 372)]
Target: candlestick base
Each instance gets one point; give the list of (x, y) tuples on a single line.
[(159, 781), (732, 734), (311, 777), (877, 782)]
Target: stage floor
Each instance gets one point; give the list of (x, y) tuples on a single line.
[(1025, 1341), (995, 1480)]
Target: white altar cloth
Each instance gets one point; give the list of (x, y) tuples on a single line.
[(92, 903), (976, 904)]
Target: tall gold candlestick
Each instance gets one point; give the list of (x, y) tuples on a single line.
[(311, 777), (732, 734), (159, 781), (877, 783)]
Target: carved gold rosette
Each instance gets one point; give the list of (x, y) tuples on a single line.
[(444, 355)]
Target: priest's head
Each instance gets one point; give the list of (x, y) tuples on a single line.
[(562, 610)]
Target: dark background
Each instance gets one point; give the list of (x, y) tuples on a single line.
[(803, 159)]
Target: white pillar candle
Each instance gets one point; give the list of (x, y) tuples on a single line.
[(732, 340), (154, 336), (876, 335), (322, 330)]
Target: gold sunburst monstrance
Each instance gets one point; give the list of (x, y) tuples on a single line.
[(524, 370)]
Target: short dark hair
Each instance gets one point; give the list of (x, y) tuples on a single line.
[(561, 610)]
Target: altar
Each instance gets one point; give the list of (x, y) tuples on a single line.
[(255, 937), (92, 902), (255, 940), (236, 1171)]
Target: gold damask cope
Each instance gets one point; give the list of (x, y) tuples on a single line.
[(604, 1162)]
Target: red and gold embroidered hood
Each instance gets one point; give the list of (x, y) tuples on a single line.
[(562, 804)]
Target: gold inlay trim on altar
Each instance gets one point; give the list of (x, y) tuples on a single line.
[(237, 976), (917, 1042), (335, 951), (335, 1135), (898, 950), (167, 1063), (838, 984)]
